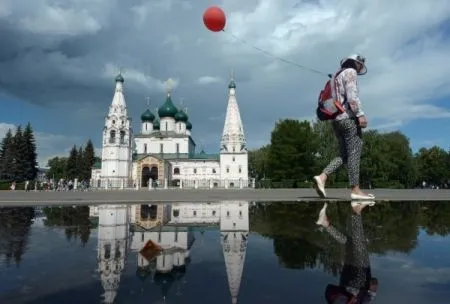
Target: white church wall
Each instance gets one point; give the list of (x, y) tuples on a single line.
[(167, 124), (234, 167), (234, 216), (170, 145), (200, 170), (195, 213)]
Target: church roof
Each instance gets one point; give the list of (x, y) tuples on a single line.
[(147, 116), (181, 116), (168, 109)]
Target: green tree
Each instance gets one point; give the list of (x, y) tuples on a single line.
[(80, 163), (72, 163), (258, 162), (292, 150), (7, 157), (57, 168), (432, 165), (401, 158), (30, 155), (88, 160), (19, 155)]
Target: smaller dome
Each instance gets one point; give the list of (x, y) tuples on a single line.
[(119, 78), (168, 109), (188, 125), (232, 85), (147, 116), (181, 116), (156, 124)]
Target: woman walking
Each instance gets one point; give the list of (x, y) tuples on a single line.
[(347, 127)]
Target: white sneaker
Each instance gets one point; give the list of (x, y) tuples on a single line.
[(355, 196), (363, 203), (319, 186), (322, 219)]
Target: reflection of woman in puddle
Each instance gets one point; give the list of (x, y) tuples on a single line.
[(356, 286)]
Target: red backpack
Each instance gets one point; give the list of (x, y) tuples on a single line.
[(329, 105)]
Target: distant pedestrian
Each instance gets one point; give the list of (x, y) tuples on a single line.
[(347, 125)]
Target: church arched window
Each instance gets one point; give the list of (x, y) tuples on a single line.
[(122, 137), (112, 136), (107, 248), (117, 253), (176, 171), (145, 148)]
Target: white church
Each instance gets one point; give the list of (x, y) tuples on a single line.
[(163, 153), (126, 229)]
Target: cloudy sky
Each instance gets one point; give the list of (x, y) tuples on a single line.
[(58, 60)]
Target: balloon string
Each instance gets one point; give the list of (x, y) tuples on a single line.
[(274, 56)]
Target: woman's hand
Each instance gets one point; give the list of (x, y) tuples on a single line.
[(362, 121)]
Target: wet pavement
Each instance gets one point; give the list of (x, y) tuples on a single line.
[(225, 252)]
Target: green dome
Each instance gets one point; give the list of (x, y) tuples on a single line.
[(181, 116), (147, 116), (232, 85), (188, 125), (168, 109), (119, 78), (156, 124)]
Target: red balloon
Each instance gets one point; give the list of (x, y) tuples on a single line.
[(214, 19)]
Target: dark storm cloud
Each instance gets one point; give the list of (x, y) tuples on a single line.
[(64, 53), (160, 39)]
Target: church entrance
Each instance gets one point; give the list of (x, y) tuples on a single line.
[(149, 212), (154, 173), (145, 176)]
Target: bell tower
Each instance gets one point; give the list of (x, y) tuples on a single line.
[(233, 146), (117, 141)]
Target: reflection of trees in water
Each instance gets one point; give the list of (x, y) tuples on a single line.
[(75, 220), (436, 218), (14, 230), (388, 226)]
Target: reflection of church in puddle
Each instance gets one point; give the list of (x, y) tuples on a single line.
[(161, 236)]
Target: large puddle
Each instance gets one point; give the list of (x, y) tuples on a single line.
[(229, 252)]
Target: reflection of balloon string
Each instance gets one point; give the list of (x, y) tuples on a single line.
[(274, 56)]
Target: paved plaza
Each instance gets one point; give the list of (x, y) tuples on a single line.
[(36, 198)]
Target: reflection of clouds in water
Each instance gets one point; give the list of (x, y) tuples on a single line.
[(43, 270), (409, 270), (207, 248), (399, 272)]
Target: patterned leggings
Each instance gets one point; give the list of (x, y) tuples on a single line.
[(356, 272), (350, 140)]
